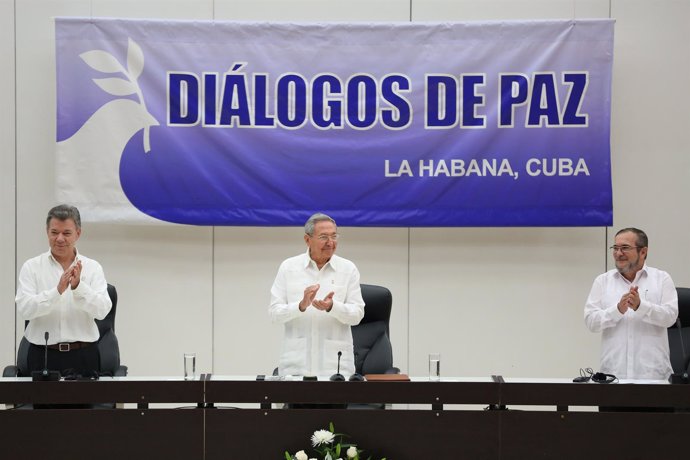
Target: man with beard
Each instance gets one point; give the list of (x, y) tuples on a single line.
[(632, 306)]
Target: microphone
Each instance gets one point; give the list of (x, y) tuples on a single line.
[(681, 377), (45, 356), (45, 375), (338, 377), (356, 377)]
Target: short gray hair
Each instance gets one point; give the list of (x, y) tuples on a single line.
[(642, 240), (64, 212), (318, 217)]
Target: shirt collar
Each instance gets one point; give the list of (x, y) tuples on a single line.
[(640, 273), (52, 258), (333, 262)]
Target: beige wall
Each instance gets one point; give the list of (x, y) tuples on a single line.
[(490, 300), (7, 182)]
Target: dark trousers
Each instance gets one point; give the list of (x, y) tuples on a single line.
[(83, 362), (74, 364)]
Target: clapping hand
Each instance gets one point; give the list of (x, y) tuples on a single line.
[(630, 299), (309, 298), (70, 277)]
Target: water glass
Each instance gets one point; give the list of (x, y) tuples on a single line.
[(435, 367), (189, 366)]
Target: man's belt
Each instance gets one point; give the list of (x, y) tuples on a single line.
[(69, 346)]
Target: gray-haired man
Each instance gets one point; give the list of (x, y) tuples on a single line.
[(61, 292)]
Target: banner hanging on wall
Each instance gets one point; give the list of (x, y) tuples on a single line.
[(382, 124)]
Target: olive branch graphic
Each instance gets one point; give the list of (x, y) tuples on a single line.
[(105, 62)]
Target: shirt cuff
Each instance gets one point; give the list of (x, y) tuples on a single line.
[(54, 294), (79, 290), (644, 307), (615, 314)]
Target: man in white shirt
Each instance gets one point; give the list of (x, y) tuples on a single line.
[(632, 306), (61, 292), (316, 295)]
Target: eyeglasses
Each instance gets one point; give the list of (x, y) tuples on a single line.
[(325, 238), (624, 248)]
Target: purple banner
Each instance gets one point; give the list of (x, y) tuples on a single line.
[(383, 124)]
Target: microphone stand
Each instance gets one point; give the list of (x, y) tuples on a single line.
[(338, 377), (45, 375)]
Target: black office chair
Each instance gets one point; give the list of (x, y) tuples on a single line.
[(371, 337), (679, 333), (108, 347)]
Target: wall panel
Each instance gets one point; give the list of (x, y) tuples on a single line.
[(479, 10), (313, 10), (650, 149), (503, 300), (7, 181)]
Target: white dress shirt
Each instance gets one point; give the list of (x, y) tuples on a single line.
[(634, 345), (313, 338), (68, 317)]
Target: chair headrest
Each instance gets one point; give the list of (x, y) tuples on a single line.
[(378, 303)]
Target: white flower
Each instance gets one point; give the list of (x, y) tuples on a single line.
[(300, 455), (322, 437), (352, 452)]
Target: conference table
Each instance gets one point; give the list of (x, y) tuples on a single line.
[(237, 417)]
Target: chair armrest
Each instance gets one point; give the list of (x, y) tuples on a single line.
[(10, 371), (392, 370), (121, 371)]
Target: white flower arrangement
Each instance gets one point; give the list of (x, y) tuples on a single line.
[(329, 445), (321, 437)]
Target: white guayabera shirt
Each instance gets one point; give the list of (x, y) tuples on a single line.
[(313, 338), (634, 345)]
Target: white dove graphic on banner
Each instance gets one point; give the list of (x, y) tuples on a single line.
[(93, 153)]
